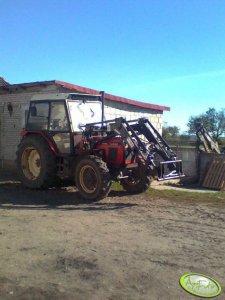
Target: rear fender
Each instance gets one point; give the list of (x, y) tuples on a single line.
[(51, 144)]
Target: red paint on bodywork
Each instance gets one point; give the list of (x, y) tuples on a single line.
[(49, 141), (109, 145)]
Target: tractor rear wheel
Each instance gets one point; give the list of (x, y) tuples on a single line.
[(137, 182), (92, 178), (36, 163)]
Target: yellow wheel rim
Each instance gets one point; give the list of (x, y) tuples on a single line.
[(88, 179), (31, 163)]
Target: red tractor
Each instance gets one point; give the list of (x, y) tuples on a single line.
[(64, 139)]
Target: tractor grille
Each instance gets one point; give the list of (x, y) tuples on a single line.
[(113, 152)]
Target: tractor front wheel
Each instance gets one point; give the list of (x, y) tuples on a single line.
[(92, 178), (137, 182)]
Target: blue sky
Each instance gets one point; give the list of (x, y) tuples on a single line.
[(166, 52)]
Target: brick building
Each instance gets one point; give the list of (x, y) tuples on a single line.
[(14, 102)]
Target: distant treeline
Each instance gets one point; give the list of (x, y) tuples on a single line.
[(189, 140)]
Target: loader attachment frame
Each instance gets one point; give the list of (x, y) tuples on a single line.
[(204, 139)]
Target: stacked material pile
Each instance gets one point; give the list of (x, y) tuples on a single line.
[(215, 174)]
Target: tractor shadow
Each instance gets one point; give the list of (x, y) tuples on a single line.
[(14, 196)]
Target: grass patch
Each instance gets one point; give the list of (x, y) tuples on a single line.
[(183, 195), (116, 186), (178, 195)]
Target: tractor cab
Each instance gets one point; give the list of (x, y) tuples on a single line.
[(60, 117)]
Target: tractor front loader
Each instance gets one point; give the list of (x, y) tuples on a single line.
[(58, 143)]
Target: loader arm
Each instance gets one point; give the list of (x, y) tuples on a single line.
[(153, 136), (143, 141), (142, 127)]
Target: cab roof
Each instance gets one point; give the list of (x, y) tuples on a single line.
[(64, 96)]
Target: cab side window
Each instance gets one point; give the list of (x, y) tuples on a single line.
[(38, 117), (58, 117)]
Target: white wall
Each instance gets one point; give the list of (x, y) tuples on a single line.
[(10, 126), (114, 110)]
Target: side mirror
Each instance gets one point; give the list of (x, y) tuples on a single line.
[(33, 111)]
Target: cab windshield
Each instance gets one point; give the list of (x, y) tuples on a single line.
[(83, 112)]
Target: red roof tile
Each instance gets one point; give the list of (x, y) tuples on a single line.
[(80, 89), (112, 97)]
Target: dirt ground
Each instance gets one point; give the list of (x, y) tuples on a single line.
[(54, 245)]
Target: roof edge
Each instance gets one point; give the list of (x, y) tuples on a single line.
[(113, 97), (82, 89)]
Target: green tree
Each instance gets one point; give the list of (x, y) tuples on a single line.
[(170, 132), (212, 120)]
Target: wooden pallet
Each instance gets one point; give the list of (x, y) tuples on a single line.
[(215, 175)]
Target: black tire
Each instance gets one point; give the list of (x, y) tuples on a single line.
[(138, 182), (36, 163), (92, 178)]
